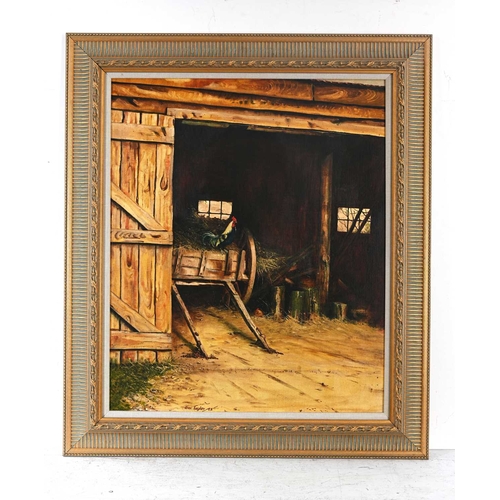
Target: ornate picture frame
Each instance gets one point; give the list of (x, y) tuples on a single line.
[(96, 62)]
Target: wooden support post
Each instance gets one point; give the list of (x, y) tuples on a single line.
[(278, 302), (340, 311), (248, 320), (325, 236), (189, 321)]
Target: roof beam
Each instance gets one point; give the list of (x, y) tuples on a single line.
[(248, 102), (270, 120)]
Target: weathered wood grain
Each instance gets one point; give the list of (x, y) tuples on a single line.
[(116, 116), (325, 236), (350, 94), (149, 119), (259, 103), (145, 199), (131, 117), (163, 208), (146, 175), (166, 121), (141, 236), (283, 121), (132, 208), (140, 341), (163, 297), (115, 251), (114, 357), (256, 118), (163, 212), (286, 89), (131, 316), (206, 265), (129, 291), (141, 133), (343, 93)]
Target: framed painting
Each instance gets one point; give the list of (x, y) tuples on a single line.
[(247, 257)]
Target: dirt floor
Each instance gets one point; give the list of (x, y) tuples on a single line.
[(325, 366)]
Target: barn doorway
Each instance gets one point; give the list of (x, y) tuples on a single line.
[(273, 181)]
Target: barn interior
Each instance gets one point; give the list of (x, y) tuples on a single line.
[(273, 180)]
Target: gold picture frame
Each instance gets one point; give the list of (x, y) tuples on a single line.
[(93, 62)]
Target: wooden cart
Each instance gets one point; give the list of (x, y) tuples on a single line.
[(234, 269)]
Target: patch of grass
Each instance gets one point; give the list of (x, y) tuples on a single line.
[(130, 379)]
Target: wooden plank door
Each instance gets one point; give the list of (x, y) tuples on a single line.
[(141, 234)]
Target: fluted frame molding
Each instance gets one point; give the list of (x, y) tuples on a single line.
[(407, 58)]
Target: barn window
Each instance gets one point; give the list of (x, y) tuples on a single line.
[(353, 220), (215, 209)]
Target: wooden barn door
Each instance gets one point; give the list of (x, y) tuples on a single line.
[(141, 235)]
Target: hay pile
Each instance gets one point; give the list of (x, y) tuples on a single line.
[(188, 232), (269, 262)]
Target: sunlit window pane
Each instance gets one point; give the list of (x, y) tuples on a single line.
[(215, 209), (342, 226), (343, 213), (227, 208), (349, 219), (203, 207)]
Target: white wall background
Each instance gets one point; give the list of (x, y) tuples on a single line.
[(465, 182)]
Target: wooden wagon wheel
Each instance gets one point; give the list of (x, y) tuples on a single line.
[(245, 286)]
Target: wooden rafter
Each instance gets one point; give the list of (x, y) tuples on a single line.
[(350, 94), (304, 90), (244, 101), (262, 119), (282, 121), (285, 89)]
